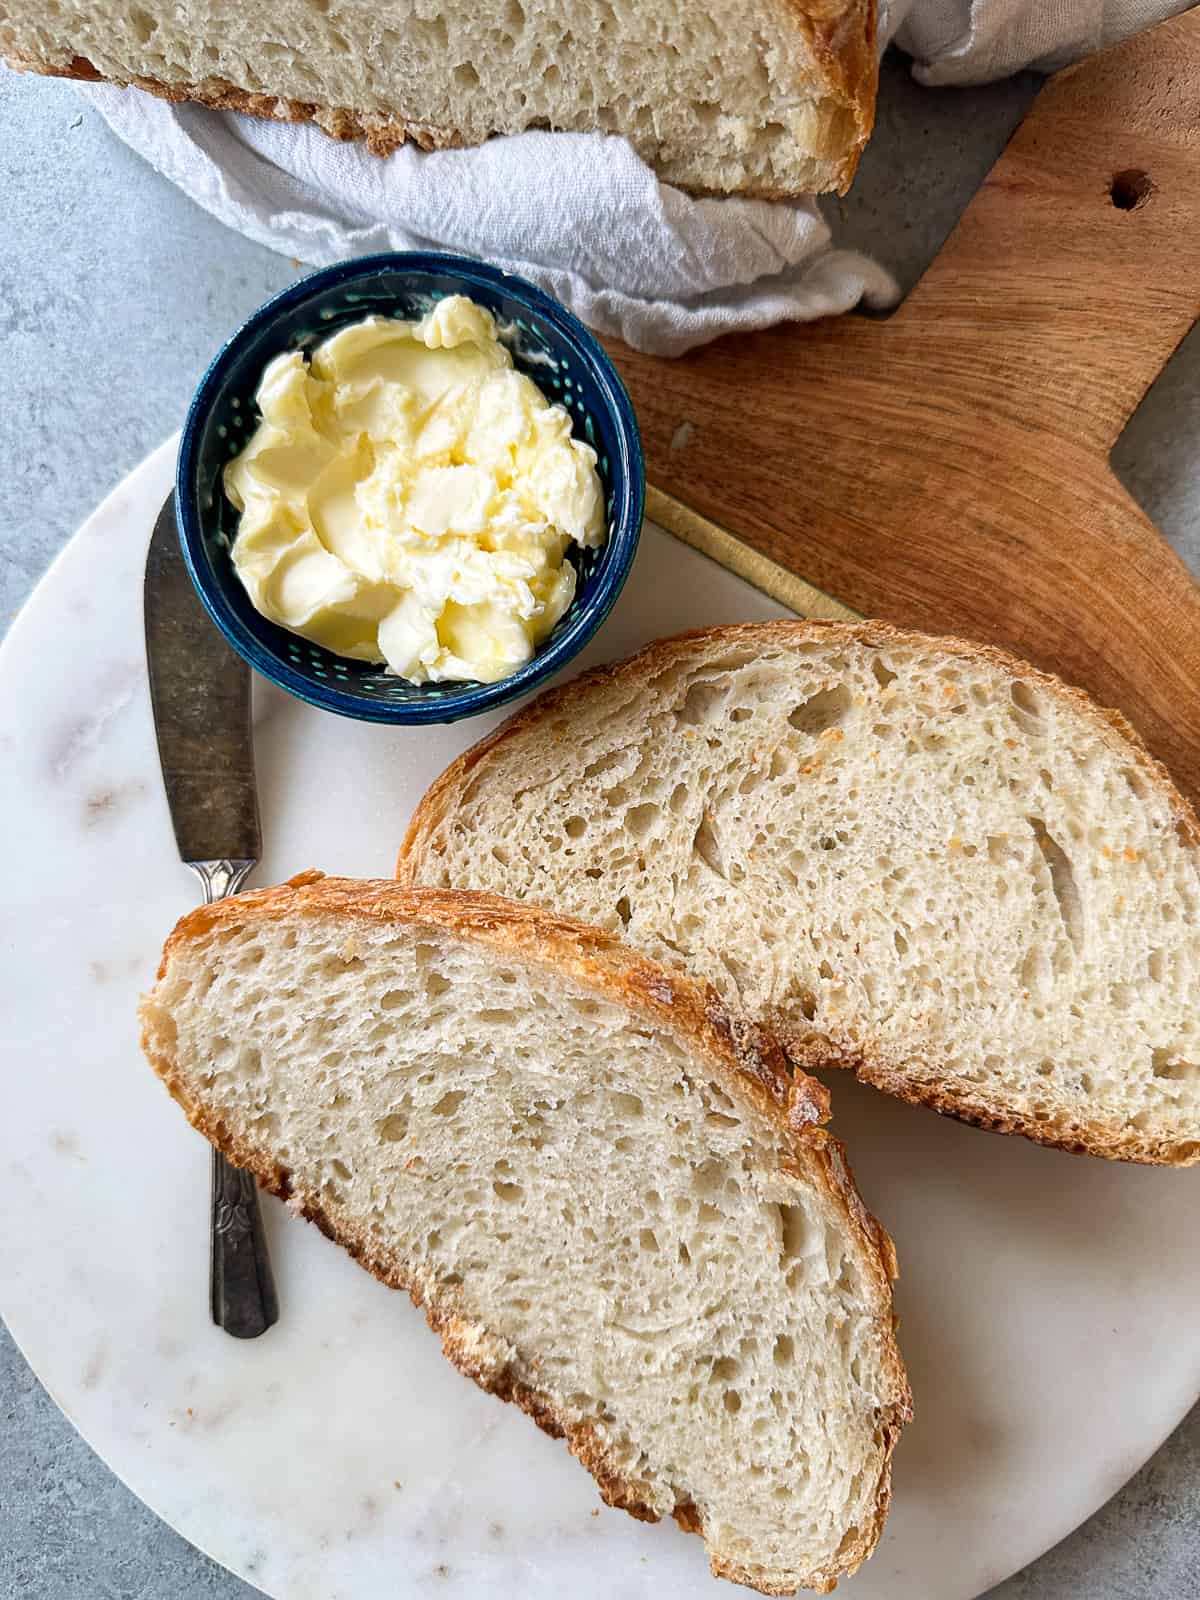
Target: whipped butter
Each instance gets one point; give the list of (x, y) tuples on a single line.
[(409, 498)]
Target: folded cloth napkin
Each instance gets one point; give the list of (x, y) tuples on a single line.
[(581, 214), (976, 41)]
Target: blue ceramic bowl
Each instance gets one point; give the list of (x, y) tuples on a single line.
[(547, 342)]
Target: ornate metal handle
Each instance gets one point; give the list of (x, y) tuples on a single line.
[(221, 877), (241, 1284)]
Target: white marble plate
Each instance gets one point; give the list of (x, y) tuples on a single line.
[(1049, 1303)]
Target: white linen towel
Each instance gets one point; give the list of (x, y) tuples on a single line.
[(581, 214)]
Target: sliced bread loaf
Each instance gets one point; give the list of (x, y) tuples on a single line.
[(613, 1201), (768, 97), (914, 857)]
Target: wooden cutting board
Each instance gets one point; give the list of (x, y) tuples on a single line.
[(948, 468)]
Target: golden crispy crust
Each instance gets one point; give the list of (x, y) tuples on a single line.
[(382, 135), (842, 42), (809, 1050), (753, 1064)]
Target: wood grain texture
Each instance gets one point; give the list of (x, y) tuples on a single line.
[(947, 468)]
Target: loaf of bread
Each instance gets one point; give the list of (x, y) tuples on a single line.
[(613, 1200), (914, 857), (765, 97)]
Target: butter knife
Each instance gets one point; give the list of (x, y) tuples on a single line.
[(200, 692)]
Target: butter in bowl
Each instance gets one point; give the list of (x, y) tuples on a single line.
[(410, 488)]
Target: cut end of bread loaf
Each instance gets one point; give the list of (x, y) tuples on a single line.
[(765, 97), (915, 857), (612, 1201)]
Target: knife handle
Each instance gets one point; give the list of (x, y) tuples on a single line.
[(241, 1285)]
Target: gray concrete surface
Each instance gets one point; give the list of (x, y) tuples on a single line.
[(114, 291)]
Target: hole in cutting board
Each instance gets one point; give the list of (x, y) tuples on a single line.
[(931, 150), (1154, 458), (1131, 189)]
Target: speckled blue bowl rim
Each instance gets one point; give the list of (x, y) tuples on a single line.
[(627, 502)]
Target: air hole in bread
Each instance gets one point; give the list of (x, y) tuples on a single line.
[(1169, 1063), (1062, 881), (607, 762), (806, 1001), (702, 702), (640, 820), (1025, 701), (821, 711), (794, 1232), (449, 1103), (717, 1119), (706, 848)]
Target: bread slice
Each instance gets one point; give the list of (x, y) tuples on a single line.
[(915, 857), (612, 1200), (766, 97)]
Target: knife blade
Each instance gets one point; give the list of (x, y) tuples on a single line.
[(200, 694), (200, 690)]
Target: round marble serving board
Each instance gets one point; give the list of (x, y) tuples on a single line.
[(1048, 1303)]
